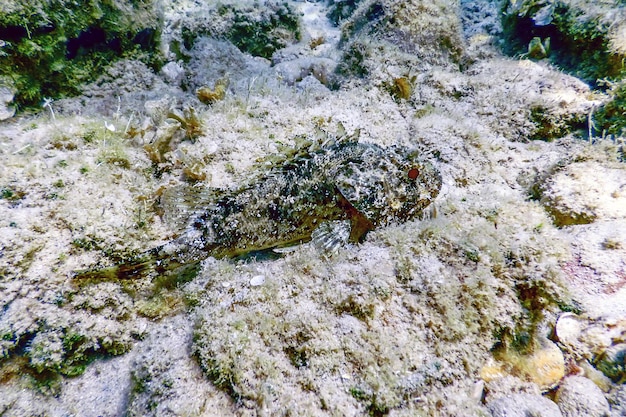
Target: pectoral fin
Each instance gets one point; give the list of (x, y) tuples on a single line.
[(330, 236), (359, 223)]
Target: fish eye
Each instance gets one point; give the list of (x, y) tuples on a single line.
[(413, 173)]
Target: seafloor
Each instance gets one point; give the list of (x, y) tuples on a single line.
[(507, 298)]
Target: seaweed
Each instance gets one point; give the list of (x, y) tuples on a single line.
[(341, 10), (611, 118), (262, 38), (51, 48), (579, 38), (259, 32)]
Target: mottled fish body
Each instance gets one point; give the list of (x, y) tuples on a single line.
[(344, 188)]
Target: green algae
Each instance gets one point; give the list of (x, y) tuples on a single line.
[(611, 118), (50, 354), (550, 126), (51, 48), (262, 38), (580, 38), (259, 32), (341, 10), (11, 194)]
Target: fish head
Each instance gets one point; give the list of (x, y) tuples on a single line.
[(388, 185)]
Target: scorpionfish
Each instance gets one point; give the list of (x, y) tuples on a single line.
[(331, 192)]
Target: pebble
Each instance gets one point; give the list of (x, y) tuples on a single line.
[(568, 329), (257, 280), (584, 192), (598, 378), (580, 397), (523, 405), (6, 97), (173, 73)]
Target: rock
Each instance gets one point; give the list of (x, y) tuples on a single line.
[(545, 366), (612, 363), (580, 397), (310, 84), (6, 97), (597, 377), (523, 405), (165, 380), (54, 65), (508, 385), (583, 192), (597, 276), (298, 69), (173, 72), (429, 30), (598, 337), (580, 54), (213, 59), (568, 329), (617, 400)]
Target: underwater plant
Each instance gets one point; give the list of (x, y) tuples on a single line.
[(51, 48)]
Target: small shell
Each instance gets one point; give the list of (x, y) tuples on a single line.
[(568, 329), (478, 391), (257, 280)]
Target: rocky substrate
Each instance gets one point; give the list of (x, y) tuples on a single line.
[(507, 298)]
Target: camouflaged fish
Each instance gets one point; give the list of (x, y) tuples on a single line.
[(330, 193)]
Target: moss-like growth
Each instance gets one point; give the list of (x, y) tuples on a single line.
[(52, 47), (354, 60), (262, 37), (431, 30), (189, 121), (161, 305), (52, 353), (371, 17), (562, 218), (550, 125), (257, 31), (8, 193), (209, 95), (611, 118), (579, 33), (341, 10), (538, 48)]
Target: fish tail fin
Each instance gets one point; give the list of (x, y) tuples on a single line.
[(156, 261)]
